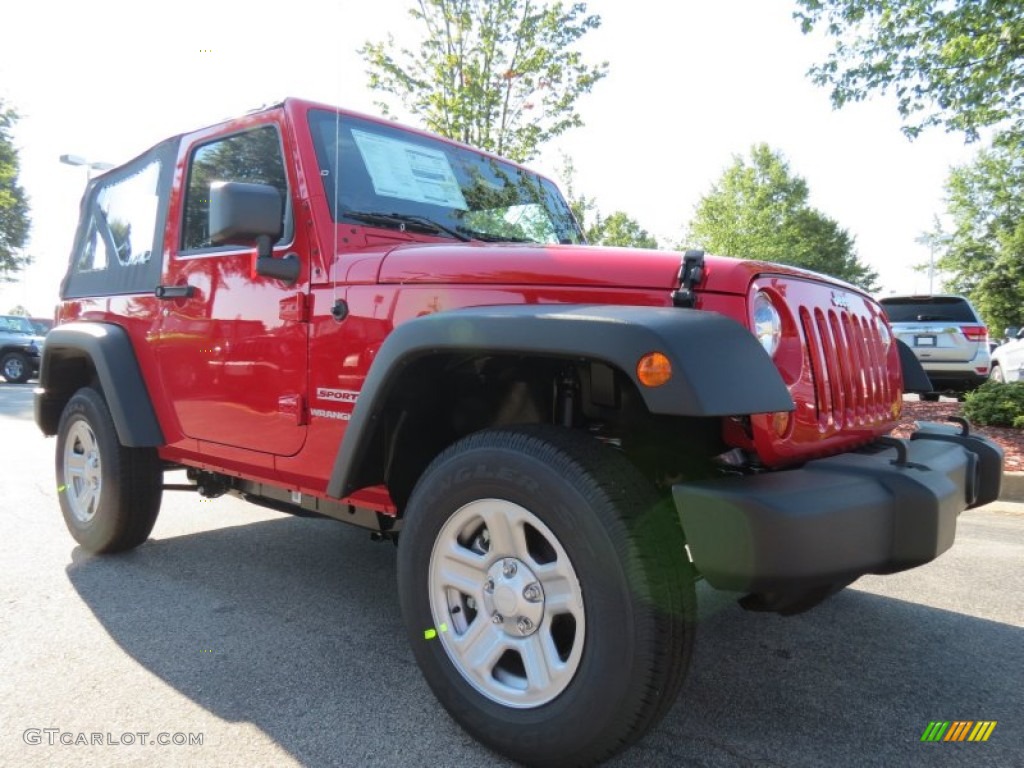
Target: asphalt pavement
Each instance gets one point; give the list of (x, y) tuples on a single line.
[(277, 641)]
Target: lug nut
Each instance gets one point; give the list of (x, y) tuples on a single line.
[(509, 568), (524, 625), (532, 593), (497, 618), (489, 585)]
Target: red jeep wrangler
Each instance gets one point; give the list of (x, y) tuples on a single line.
[(326, 313)]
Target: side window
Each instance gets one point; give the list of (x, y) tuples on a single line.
[(254, 156), (122, 222)]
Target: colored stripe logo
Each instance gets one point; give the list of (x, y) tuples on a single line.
[(959, 730)]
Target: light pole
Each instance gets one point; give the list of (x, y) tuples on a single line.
[(89, 165)]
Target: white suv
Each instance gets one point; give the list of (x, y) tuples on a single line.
[(948, 337), (1008, 360)]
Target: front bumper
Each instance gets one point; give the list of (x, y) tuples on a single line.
[(884, 509)]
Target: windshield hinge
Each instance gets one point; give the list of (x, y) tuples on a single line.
[(691, 272)]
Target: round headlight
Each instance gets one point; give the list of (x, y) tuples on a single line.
[(767, 323)]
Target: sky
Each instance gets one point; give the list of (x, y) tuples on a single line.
[(691, 84)]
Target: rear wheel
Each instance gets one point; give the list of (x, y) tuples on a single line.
[(15, 367), (109, 494), (547, 594)]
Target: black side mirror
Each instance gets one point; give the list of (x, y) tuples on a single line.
[(242, 214)]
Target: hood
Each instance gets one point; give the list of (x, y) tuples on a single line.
[(572, 265), (517, 264)]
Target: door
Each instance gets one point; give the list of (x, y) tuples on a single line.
[(233, 345)]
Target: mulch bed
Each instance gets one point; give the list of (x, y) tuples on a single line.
[(1011, 440)]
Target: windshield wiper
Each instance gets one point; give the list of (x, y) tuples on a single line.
[(406, 221), (488, 237)]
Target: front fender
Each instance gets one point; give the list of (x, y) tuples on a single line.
[(719, 369)]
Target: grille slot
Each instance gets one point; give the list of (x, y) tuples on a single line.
[(847, 366)]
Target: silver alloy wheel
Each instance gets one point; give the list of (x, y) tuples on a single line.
[(997, 374), (506, 602), (14, 367), (83, 478)]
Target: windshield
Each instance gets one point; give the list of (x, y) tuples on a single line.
[(385, 176), (15, 324)]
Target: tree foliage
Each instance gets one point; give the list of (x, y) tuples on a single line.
[(501, 75), (984, 253), (14, 215), (955, 63), (619, 229), (759, 210)]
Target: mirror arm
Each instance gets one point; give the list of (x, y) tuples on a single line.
[(264, 247)]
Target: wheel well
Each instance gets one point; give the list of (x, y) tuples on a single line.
[(67, 371), (443, 398)]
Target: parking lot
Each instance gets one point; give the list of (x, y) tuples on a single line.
[(279, 641)]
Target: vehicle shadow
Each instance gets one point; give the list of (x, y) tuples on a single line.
[(293, 625)]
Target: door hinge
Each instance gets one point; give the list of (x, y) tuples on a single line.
[(294, 308), (294, 405)]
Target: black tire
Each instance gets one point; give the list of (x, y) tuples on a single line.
[(109, 494), (930, 397), (629, 593), (15, 367)]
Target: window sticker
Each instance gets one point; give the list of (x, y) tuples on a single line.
[(408, 171)]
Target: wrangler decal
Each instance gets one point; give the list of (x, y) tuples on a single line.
[(330, 414)]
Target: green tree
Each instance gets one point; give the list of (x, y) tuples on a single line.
[(759, 210), (984, 253), (955, 63), (14, 216), (501, 75), (619, 229)]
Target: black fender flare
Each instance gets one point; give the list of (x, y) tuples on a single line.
[(915, 377), (109, 351), (719, 368)]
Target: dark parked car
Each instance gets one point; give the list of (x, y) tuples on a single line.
[(20, 345)]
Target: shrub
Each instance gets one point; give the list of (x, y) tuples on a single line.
[(996, 405)]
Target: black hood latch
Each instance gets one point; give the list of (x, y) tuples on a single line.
[(691, 272)]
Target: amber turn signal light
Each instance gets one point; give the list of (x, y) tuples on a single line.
[(653, 369)]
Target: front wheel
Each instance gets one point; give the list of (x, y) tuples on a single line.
[(109, 494), (997, 374), (15, 367), (547, 594)]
